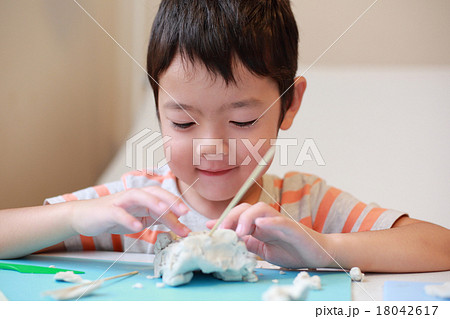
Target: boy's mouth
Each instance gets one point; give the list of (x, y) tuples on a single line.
[(217, 172)]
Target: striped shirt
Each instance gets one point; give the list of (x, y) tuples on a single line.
[(305, 198)]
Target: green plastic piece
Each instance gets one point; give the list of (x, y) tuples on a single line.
[(29, 269)]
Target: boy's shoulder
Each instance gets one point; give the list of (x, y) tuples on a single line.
[(292, 179), (142, 178)]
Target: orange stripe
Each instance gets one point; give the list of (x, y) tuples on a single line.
[(101, 190), (353, 217), (324, 208), (117, 242), (371, 218), (149, 235), (278, 183), (290, 174), (69, 197), (275, 206), (87, 242), (289, 197), (307, 221)]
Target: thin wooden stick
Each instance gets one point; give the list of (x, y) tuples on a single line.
[(122, 275), (68, 293), (244, 188)]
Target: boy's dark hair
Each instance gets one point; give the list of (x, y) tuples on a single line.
[(262, 34)]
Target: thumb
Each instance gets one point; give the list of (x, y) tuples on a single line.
[(210, 223)]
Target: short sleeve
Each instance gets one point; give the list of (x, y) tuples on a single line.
[(311, 201), (87, 193), (139, 242)]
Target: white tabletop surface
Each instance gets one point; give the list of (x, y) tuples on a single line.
[(371, 288)]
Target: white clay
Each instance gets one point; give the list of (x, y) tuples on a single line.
[(223, 254), (52, 266), (312, 282), (76, 292), (441, 291), (287, 292), (151, 277), (69, 276), (160, 285), (315, 283), (282, 272), (302, 275), (138, 285), (356, 274), (275, 281)]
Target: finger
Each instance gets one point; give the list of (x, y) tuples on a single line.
[(172, 201), (210, 223), (122, 218), (157, 209), (246, 222), (278, 227), (255, 246), (171, 220), (148, 221), (231, 221), (136, 198)]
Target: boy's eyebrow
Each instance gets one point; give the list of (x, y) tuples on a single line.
[(244, 103), (238, 104), (173, 105)]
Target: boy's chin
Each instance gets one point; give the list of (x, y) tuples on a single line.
[(216, 195)]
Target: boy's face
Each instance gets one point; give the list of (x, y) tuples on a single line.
[(224, 115)]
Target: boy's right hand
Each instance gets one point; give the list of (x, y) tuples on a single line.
[(128, 212)]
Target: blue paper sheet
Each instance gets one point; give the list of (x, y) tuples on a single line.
[(336, 286), (408, 291)]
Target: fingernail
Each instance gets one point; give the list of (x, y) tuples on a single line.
[(238, 229), (183, 208), (163, 206)]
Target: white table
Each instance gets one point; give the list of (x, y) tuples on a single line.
[(371, 288)]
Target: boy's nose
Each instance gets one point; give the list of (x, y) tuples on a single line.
[(210, 149)]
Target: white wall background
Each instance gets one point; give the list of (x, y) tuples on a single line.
[(384, 135)]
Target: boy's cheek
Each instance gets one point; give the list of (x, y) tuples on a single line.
[(176, 148), (253, 149)]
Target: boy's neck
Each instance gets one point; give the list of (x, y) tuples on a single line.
[(213, 209)]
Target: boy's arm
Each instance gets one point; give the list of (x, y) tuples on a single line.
[(27, 230), (409, 246)]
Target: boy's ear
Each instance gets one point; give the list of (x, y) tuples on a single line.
[(299, 89)]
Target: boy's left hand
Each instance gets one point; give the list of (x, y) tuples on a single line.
[(277, 238)]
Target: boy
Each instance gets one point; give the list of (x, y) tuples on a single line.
[(217, 69)]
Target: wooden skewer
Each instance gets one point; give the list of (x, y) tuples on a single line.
[(244, 188), (71, 292), (122, 275)]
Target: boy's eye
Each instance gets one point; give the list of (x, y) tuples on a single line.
[(243, 124), (182, 125)]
